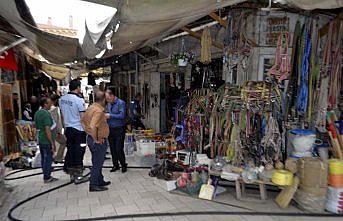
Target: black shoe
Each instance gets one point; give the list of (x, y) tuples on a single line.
[(124, 168), (107, 158), (97, 188), (114, 169), (105, 183)]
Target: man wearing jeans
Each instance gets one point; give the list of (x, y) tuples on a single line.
[(46, 137), (116, 109), (73, 107), (95, 124)]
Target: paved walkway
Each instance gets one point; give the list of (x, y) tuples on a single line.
[(130, 193)]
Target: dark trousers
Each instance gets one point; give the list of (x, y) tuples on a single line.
[(137, 123), (116, 140), (98, 157), (46, 155), (75, 153)]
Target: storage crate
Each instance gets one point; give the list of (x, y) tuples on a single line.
[(145, 160), (146, 148)]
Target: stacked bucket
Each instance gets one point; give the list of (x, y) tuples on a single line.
[(334, 199)]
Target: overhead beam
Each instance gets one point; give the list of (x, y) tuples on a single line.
[(198, 36), (224, 23), (325, 29), (13, 44), (221, 21), (144, 58)]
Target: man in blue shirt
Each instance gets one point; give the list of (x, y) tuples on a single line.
[(116, 109), (136, 113)]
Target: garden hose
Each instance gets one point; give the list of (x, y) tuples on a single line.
[(143, 215)]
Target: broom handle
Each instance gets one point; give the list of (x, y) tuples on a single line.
[(339, 136), (335, 146)]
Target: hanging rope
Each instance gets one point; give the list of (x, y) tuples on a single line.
[(302, 101), (206, 44), (336, 68), (281, 67)]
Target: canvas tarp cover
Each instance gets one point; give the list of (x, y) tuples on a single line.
[(55, 48), (145, 22)]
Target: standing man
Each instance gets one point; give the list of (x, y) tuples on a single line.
[(116, 109), (46, 137), (96, 127), (16, 106), (34, 105), (136, 113), (73, 108), (60, 138)]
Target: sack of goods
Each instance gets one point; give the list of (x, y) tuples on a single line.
[(310, 202), (334, 200), (313, 176), (336, 173)]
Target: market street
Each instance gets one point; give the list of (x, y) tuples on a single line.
[(171, 110), (130, 193)]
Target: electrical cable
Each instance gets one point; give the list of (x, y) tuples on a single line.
[(144, 215)]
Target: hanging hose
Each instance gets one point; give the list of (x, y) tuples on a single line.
[(190, 213), (302, 102)]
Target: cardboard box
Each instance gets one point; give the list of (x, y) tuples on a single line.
[(166, 185)]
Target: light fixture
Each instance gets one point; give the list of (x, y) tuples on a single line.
[(131, 42)]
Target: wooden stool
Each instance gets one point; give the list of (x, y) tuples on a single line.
[(240, 188)]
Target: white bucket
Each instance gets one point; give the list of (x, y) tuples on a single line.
[(182, 62), (303, 140), (302, 154)]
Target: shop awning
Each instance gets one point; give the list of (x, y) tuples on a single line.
[(145, 22), (142, 23), (54, 48)]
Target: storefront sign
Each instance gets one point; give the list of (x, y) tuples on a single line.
[(275, 26)]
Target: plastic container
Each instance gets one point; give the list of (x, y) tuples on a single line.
[(336, 180), (282, 177), (146, 148), (301, 154), (303, 140), (336, 167)]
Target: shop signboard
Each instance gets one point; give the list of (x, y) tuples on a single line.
[(275, 26)]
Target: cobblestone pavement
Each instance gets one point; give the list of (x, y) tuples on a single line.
[(130, 193)]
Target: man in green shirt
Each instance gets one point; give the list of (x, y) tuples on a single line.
[(46, 137)]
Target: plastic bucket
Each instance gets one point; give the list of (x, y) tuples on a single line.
[(301, 154), (303, 140), (336, 167), (182, 62), (336, 180)]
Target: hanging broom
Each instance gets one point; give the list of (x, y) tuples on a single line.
[(286, 195)]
